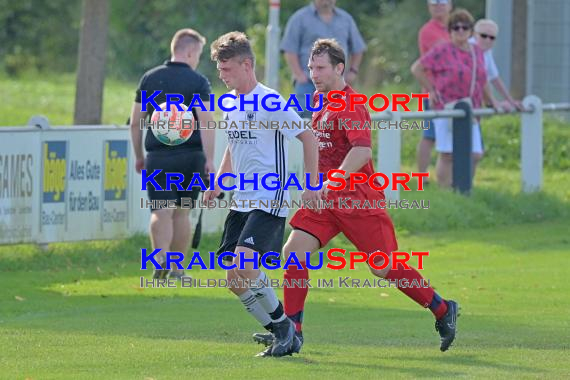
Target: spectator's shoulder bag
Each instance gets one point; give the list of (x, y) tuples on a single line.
[(451, 105)]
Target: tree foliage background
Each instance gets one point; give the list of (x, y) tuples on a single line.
[(42, 37)]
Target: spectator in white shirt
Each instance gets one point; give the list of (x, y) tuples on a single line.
[(486, 32)]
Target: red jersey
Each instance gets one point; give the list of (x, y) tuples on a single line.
[(336, 140)]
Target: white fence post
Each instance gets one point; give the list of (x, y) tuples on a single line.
[(389, 153), (272, 36), (531, 145)]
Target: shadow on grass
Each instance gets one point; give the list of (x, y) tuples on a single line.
[(382, 366)]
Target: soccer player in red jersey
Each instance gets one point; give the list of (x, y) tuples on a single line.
[(370, 230)]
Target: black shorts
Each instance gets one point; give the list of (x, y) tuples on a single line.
[(185, 162), (255, 229)]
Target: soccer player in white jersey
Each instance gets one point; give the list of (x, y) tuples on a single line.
[(252, 150)]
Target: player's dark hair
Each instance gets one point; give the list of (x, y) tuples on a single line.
[(331, 48), (230, 45), (185, 37)]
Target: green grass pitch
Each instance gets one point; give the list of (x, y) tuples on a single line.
[(77, 311)]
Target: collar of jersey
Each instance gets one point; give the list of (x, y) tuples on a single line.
[(171, 63), (233, 92)]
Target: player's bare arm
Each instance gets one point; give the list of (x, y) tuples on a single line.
[(489, 98), (419, 73), (500, 87), (137, 116), (311, 158)]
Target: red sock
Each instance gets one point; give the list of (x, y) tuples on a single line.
[(294, 297), (425, 296)]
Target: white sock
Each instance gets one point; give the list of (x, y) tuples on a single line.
[(254, 308), (268, 299)]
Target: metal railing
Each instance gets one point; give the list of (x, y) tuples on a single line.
[(389, 141)]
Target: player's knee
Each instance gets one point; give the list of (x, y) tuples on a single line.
[(380, 268), (301, 258), (181, 214), (160, 216), (231, 274), (235, 290), (156, 225), (382, 273), (232, 277), (300, 245), (287, 248)]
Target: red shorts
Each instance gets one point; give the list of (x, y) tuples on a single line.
[(369, 232)]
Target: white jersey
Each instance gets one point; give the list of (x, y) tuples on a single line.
[(258, 150)]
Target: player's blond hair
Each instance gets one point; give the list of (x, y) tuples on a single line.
[(184, 38)]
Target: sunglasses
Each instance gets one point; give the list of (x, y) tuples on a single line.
[(485, 35), (458, 27)]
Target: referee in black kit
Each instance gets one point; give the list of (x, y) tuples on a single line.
[(170, 228)]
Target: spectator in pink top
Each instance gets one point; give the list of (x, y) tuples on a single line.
[(446, 71), (431, 34)]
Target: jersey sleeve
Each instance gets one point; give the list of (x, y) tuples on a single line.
[(204, 89), (355, 40), (140, 87), (291, 42), (290, 123)]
